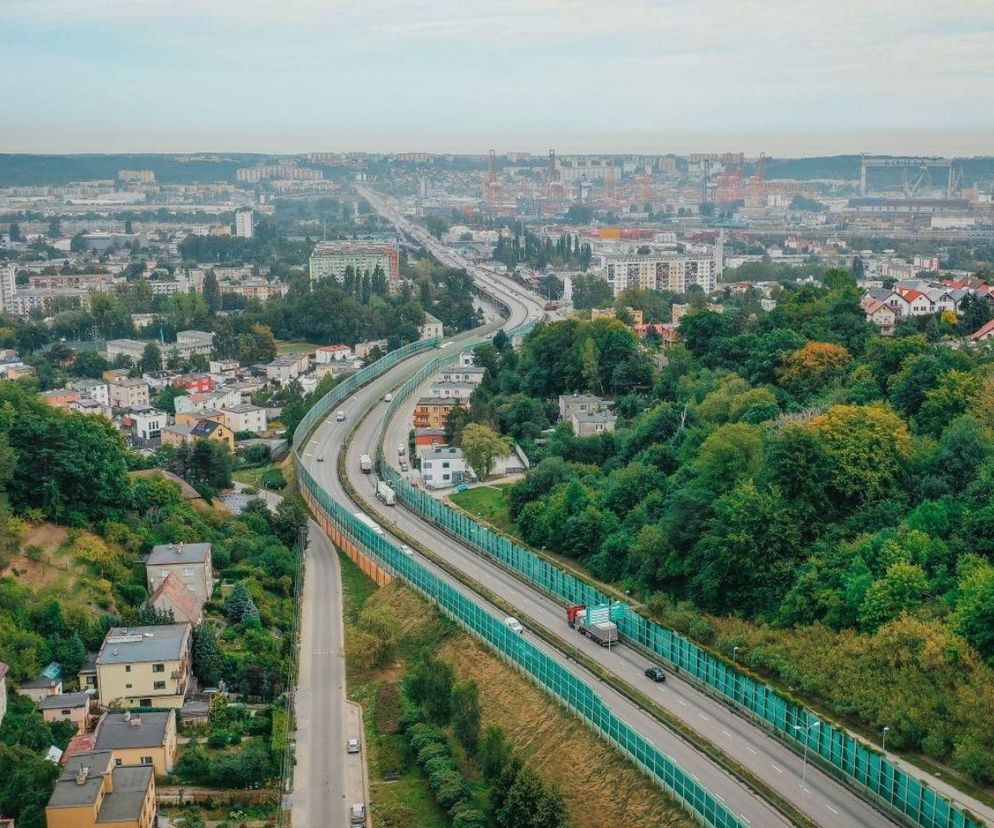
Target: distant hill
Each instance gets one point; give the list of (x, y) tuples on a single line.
[(846, 167), (40, 170)]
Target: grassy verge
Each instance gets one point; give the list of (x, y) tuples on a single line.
[(254, 477), (294, 347), (489, 503), (607, 792)]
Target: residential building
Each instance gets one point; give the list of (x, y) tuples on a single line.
[(432, 412), (432, 328), (145, 666), (84, 405), (94, 390), (4, 669), (244, 223), (984, 333), (588, 423), (668, 333), (881, 314), (337, 368), (224, 368), (331, 259), (461, 391), (462, 374), (25, 300), (332, 353), (174, 597), (209, 402), (258, 289), (571, 403), (129, 394), (66, 707), (60, 397), (133, 349), (93, 792), (140, 321), (286, 368), (192, 563), (8, 287), (47, 683), (146, 423), (674, 272), (428, 438), (362, 349), (193, 383), (245, 418), (466, 359), (442, 467), (139, 739), (189, 343)]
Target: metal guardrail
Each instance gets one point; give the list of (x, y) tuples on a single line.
[(868, 772), (575, 694)]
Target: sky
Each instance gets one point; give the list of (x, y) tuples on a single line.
[(788, 77)]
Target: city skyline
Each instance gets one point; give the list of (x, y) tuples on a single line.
[(108, 76)]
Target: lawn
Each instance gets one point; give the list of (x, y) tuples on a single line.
[(294, 347), (489, 503)]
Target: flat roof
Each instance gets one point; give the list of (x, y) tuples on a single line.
[(445, 453), (131, 783), (60, 701), (178, 553), (119, 730), (68, 792), (126, 645)]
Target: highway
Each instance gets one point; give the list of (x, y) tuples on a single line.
[(826, 801)]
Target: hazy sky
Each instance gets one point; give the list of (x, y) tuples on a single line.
[(784, 76)]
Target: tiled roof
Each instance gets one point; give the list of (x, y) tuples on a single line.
[(186, 605)]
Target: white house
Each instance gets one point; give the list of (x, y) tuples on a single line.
[(332, 353), (442, 467), (432, 328), (245, 418), (93, 389), (452, 390)]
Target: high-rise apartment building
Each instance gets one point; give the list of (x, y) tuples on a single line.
[(244, 223), (330, 260), (674, 272), (8, 287)]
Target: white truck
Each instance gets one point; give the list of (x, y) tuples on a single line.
[(386, 494), (365, 463)]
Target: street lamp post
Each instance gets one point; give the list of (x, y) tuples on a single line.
[(804, 766), (735, 655), (885, 739)]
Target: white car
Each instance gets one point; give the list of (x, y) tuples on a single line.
[(352, 746), (514, 625), (388, 398), (407, 550), (340, 416)]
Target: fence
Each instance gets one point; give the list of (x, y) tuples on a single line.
[(867, 771), (545, 671)]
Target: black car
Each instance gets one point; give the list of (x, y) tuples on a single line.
[(655, 673)]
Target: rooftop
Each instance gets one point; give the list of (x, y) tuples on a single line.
[(442, 453), (127, 645), (188, 605), (74, 792), (175, 553), (129, 730), (63, 701)]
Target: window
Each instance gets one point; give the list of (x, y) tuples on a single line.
[(146, 760), (187, 570), (159, 685), (66, 712), (127, 668), (127, 686), (158, 668), (144, 702), (117, 762)]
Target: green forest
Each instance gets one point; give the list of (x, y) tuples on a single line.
[(790, 484)]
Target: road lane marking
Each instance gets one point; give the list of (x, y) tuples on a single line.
[(682, 702), (729, 735), (703, 716), (751, 750), (777, 769), (831, 809), (745, 819)]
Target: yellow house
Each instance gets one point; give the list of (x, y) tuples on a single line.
[(145, 666), (188, 428), (66, 707), (146, 739), (93, 791)]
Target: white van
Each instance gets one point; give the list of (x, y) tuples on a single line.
[(514, 625)]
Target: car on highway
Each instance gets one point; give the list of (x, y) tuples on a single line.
[(514, 625), (407, 550), (388, 398), (404, 465), (320, 458), (352, 746), (340, 416), (655, 673)]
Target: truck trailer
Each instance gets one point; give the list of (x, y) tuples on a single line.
[(386, 494), (604, 633)]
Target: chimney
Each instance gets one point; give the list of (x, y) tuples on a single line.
[(82, 774)]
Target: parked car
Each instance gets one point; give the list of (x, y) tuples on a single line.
[(655, 673), (353, 746), (460, 488)]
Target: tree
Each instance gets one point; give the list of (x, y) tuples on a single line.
[(466, 715), (207, 657), (523, 800), (481, 446), (495, 751), (973, 617), (212, 292), (239, 606), (902, 588), (151, 358), (89, 364), (428, 684), (26, 783), (812, 366), (165, 400)]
